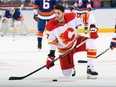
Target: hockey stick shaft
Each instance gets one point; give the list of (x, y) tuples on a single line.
[(25, 27), (84, 61), (0, 17), (103, 52), (19, 78)]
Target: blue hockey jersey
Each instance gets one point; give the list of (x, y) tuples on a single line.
[(17, 14), (84, 4), (44, 8)]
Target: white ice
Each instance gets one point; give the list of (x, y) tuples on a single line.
[(19, 56)]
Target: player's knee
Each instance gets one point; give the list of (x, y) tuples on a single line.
[(69, 72)]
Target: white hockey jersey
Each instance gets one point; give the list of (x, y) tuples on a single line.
[(62, 36)]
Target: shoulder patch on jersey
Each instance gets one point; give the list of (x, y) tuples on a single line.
[(69, 16), (51, 25)]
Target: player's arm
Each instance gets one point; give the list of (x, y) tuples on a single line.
[(113, 43), (89, 8), (73, 6), (35, 10), (35, 7), (50, 58), (19, 15), (52, 42), (93, 31), (7, 14), (113, 40)]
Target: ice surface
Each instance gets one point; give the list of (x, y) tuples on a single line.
[(19, 56)]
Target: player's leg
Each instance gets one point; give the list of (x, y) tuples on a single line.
[(15, 25), (67, 62), (41, 27), (19, 25), (5, 26), (67, 65), (91, 55), (90, 48), (85, 21), (12, 22)]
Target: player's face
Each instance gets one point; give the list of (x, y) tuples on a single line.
[(59, 15)]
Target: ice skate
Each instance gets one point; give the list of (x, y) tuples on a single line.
[(73, 72), (69, 72), (91, 74), (39, 45)]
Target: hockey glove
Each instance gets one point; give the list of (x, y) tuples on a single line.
[(93, 31), (113, 43), (49, 61), (85, 30), (71, 8), (89, 8), (35, 17)]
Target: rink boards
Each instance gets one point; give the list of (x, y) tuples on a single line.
[(105, 20)]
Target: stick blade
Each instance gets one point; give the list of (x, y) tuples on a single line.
[(82, 61), (16, 78)]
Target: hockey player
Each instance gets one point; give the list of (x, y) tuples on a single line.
[(84, 8), (43, 12), (62, 34), (113, 41), (13, 18), (84, 5)]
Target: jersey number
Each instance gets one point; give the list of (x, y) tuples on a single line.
[(46, 4)]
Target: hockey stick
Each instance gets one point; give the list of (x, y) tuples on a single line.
[(25, 30), (0, 17), (22, 77), (84, 61)]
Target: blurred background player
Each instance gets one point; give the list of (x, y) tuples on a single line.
[(85, 17), (62, 34), (13, 18), (43, 12), (84, 8), (113, 41)]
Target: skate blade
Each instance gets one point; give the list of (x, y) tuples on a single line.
[(91, 76), (39, 49)]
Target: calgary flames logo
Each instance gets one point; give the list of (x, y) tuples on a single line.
[(67, 36)]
